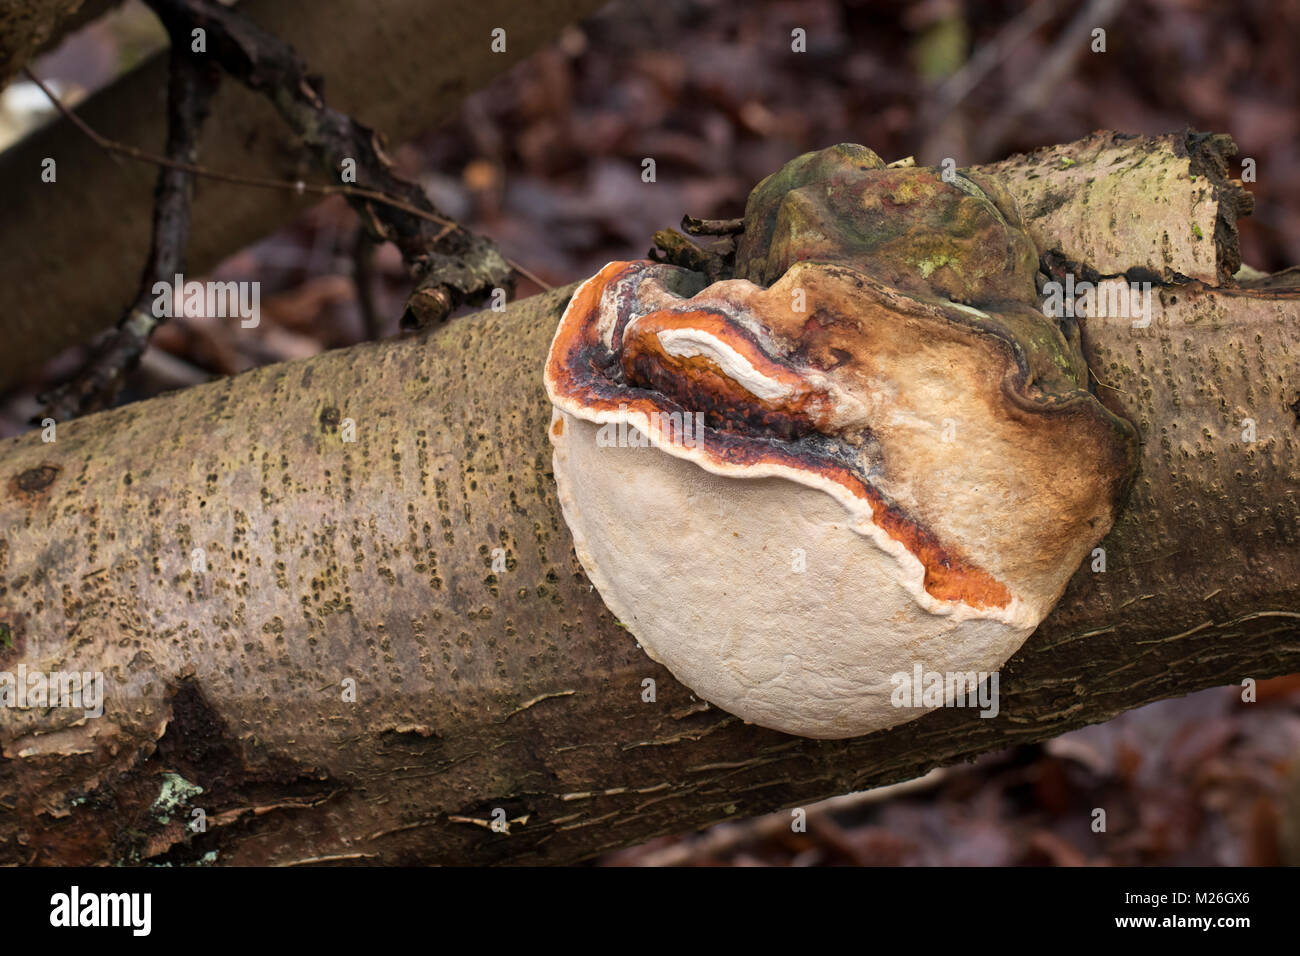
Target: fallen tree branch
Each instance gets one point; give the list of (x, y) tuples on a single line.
[(298, 186), (70, 250), (29, 26), (360, 197), (189, 94), (1106, 222), (451, 266), (363, 278), (341, 590)]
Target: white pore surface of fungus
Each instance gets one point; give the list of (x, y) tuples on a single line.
[(795, 560)]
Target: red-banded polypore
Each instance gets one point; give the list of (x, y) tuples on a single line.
[(868, 450)]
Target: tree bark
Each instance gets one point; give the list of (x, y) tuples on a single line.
[(513, 694), (28, 26), (69, 250)]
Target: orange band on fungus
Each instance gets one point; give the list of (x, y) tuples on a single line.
[(741, 430)]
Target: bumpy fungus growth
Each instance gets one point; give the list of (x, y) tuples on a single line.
[(868, 450)]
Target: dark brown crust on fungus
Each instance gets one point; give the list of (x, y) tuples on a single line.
[(869, 303), (578, 369)]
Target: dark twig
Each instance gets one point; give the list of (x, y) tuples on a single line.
[(190, 89), (451, 265), (363, 277), (678, 250), (258, 182), (693, 226)]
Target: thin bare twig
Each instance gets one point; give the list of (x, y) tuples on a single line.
[(259, 182), (299, 187), (363, 277), (191, 85), (451, 266)]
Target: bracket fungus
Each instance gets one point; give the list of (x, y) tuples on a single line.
[(865, 451)]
